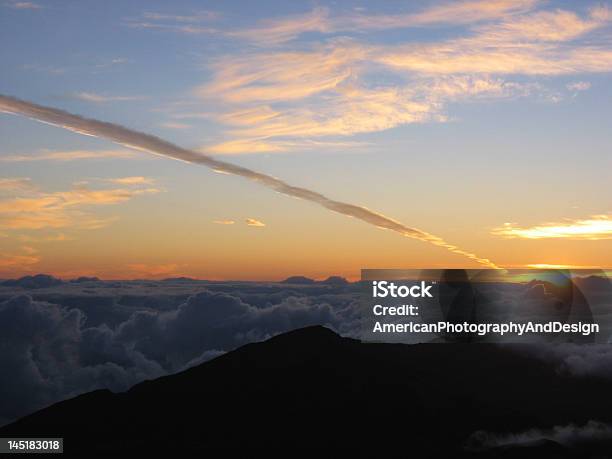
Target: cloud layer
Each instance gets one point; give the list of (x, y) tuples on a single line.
[(71, 340), (59, 339), (317, 74)]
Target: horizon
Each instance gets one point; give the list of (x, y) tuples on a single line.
[(581, 273)]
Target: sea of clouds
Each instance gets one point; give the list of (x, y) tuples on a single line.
[(60, 339)]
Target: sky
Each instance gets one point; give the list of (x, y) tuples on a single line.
[(483, 123)]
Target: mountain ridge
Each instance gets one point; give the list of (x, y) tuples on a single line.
[(312, 388)]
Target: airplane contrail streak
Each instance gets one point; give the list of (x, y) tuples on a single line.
[(155, 145)]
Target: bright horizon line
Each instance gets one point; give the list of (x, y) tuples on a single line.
[(349, 278)]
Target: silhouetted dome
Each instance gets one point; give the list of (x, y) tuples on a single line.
[(335, 280), (37, 281), (298, 280)]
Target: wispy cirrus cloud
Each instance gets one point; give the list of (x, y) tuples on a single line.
[(322, 20), (271, 145), (35, 209), (23, 5), (10, 261), (282, 76), (277, 97), (71, 155), (174, 125), (103, 98), (593, 228), (352, 109), (241, 146), (280, 30), (16, 184), (134, 180), (276, 31), (546, 26)]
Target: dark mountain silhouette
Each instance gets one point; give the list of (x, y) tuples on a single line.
[(335, 280), (311, 388), (37, 281), (179, 279), (298, 280), (594, 283)]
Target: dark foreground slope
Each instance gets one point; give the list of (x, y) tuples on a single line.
[(311, 388)]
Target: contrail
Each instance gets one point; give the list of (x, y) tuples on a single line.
[(155, 145)]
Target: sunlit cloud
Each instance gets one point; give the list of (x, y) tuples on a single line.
[(457, 13), (224, 222), (136, 180), (72, 155), (174, 125), (281, 76), (242, 146), (276, 31), (594, 228), (11, 261), (248, 116), (278, 96), (61, 209), (476, 56), (100, 98), (16, 184), (23, 5), (248, 146), (321, 20), (557, 266), (353, 109), (254, 222), (554, 26)]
